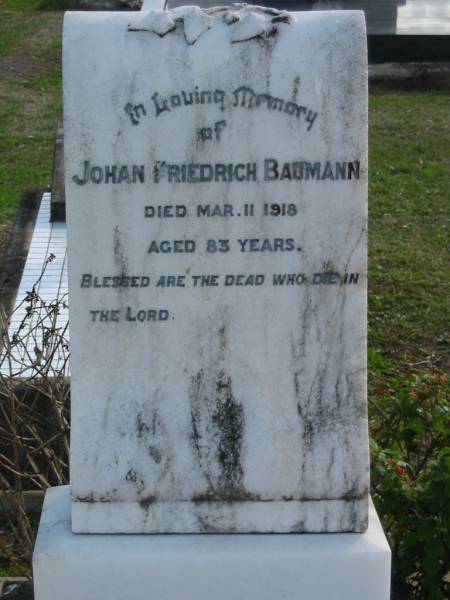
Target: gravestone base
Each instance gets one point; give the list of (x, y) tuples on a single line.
[(328, 566), (302, 516)]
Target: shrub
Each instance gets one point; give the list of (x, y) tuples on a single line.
[(34, 415), (410, 421)]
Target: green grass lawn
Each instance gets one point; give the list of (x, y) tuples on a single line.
[(409, 249), (30, 101), (409, 239)]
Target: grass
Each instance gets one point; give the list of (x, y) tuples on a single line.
[(409, 287), (409, 230), (30, 101), (26, 6)]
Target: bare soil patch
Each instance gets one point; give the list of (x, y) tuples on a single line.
[(16, 67)]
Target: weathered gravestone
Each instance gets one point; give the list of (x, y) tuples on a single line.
[(216, 182)]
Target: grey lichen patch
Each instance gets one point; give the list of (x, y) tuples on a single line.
[(217, 432), (247, 22)]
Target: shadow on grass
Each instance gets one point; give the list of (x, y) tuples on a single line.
[(51, 5)]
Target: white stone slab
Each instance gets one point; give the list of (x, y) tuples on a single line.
[(69, 566), (48, 239), (207, 406)]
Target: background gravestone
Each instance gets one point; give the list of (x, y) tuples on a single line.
[(103, 4), (216, 179)]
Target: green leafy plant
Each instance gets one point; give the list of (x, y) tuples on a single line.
[(410, 421)]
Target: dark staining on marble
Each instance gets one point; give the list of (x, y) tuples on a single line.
[(227, 496), (353, 521), (207, 525), (328, 498), (158, 168), (222, 342), (217, 433), (144, 428), (89, 498), (331, 463), (155, 453), (352, 494), (150, 431), (308, 433), (282, 18), (118, 251), (325, 521), (230, 14), (295, 88), (263, 36), (106, 498), (229, 419), (131, 476), (297, 390), (337, 393), (230, 18), (141, 426), (299, 527), (195, 435), (145, 503), (160, 34)]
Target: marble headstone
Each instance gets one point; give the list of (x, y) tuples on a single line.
[(216, 180)]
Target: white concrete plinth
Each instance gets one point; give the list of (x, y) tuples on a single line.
[(339, 566)]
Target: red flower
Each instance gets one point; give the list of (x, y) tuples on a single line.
[(379, 391), (413, 395), (390, 392), (400, 470)]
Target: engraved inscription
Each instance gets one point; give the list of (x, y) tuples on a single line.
[(241, 97)]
